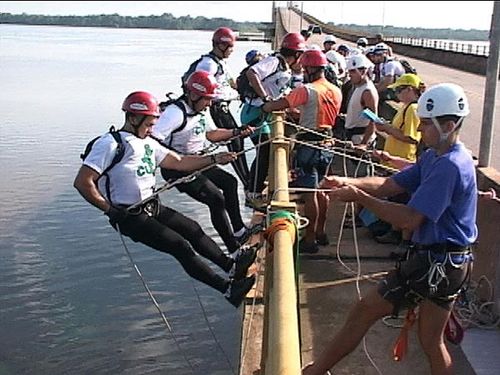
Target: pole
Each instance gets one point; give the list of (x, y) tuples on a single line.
[(301, 14), (490, 89)]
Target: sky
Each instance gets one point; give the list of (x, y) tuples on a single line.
[(426, 14)]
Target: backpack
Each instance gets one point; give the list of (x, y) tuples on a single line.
[(194, 64), (245, 90), (407, 66), (331, 76), (120, 151), (177, 102)]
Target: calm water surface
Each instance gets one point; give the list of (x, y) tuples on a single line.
[(70, 302)]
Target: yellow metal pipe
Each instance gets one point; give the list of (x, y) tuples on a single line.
[(281, 351), (283, 357)]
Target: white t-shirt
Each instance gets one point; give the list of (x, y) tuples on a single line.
[(391, 68), (133, 178), (224, 91), (274, 81), (192, 138)]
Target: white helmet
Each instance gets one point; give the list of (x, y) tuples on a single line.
[(329, 39), (358, 61), (381, 47), (334, 57), (362, 42), (443, 99), (370, 50)]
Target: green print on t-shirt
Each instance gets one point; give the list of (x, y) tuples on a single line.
[(148, 168), (200, 128)]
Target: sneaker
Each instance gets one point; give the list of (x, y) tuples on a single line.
[(255, 201), (249, 232), (245, 258), (322, 239), (308, 248), (238, 289), (391, 237)]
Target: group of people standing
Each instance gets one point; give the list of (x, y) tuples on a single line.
[(440, 213)]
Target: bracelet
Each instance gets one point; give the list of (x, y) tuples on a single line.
[(214, 158)]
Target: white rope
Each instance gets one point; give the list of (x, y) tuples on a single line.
[(476, 312), (151, 296)]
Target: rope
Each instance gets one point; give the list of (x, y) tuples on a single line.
[(151, 296), (226, 357), (476, 312), (281, 220)]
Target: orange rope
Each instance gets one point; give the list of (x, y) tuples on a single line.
[(276, 225), (401, 345)]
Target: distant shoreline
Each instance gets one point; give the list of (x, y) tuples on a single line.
[(167, 21)]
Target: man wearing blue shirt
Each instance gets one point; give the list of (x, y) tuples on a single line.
[(442, 216)]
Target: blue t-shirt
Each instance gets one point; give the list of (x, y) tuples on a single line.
[(443, 189)]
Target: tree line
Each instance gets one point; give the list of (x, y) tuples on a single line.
[(164, 21), (168, 21), (415, 32)]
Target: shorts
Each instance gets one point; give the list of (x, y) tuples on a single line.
[(409, 284), (311, 165)]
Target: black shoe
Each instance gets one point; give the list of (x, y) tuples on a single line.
[(249, 232), (238, 289), (308, 248), (322, 239), (392, 237), (243, 261)]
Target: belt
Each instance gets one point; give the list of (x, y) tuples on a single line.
[(306, 136), (446, 247)]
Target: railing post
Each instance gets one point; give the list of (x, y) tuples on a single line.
[(281, 344)]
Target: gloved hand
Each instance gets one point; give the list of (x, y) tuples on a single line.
[(117, 215)]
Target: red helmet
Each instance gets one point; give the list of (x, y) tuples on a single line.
[(202, 83), (294, 41), (224, 35), (141, 103), (313, 57)]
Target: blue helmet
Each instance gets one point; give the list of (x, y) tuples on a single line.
[(250, 56)]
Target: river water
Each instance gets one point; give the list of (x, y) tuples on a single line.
[(70, 301)]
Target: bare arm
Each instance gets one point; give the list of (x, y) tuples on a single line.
[(368, 101), (377, 186), (188, 163), (399, 215), (276, 105), (254, 81), (225, 134), (386, 81), (86, 184), (396, 133)]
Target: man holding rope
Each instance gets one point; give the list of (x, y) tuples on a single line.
[(441, 214), (185, 127), (319, 103), (132, 180)]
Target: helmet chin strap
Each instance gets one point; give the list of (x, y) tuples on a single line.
[(442, 135)]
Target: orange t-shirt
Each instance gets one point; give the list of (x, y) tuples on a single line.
[(319, 103)]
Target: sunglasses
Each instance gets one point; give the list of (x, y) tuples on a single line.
[(400, 89)]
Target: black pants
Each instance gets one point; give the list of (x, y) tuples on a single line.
[(260, 165), (217, 189), (171, 232), (224, 119)]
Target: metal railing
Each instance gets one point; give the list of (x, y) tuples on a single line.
[(446, 45)]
